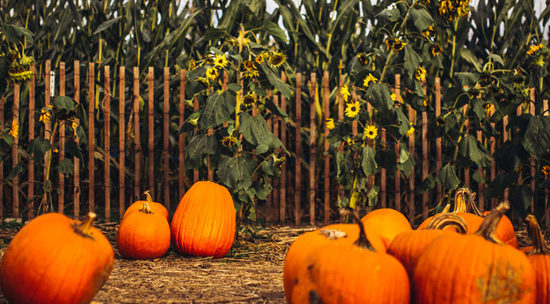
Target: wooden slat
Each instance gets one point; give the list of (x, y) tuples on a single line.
[(165, 138), (493, 170), (283, 188), (137, 138), (397, 180), (2, 101), (505, 137), (326, 159), (532, 160), (181, 138), (91, 137), (195, 130), (151, 130), (481, 172), (32, 120), (276, 203), (411, 202), (121, 142), (76, 160), (298, 152), (15, 149), (425, 160), (466, 128), (107, 139), (546, 207), (61, 177), (312, 148), (341, 82), (438, 142), (383, 173), (47, 127)]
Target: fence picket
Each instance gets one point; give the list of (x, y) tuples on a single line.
[(30, 172), (107, 139), (76, 160), (91, 137), (121, 142), (151, 130), (181, 137), (165, 138), (298, 152), (312, 185), (61, 177)]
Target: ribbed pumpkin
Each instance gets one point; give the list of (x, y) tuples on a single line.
[(143, 234), (387, 223), (154, 206), (408, 246), (54, 259), (308, 242), (540, 259), (204, 222), (474, 268), (344, 273)]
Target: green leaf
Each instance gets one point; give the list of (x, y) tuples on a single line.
[(14, 172), (106, 25), (263, 189), (276, 82), (381, 96), (64, 107), (368, 163), (256, 132), (65, 167), (213, 34), (199, 145), (496, 58), (470, 148), (217, 110), (536, 139), (39, 147), (392, 15), (274, 30), (421, 18), (467, 79), (234, 87), (471, 58), (411, 61), (447, 177), (406, 163), (15, 33), (235, 172), (262, 148)]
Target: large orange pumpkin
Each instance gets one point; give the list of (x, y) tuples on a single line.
[(540, 259), (345, 273), (204, 222), (308, 242), (408, 246), (143, 234), (54, 259), (474, 268), (387, 223), (154, 206)]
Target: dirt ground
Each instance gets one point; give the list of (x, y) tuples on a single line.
[(251, 273)]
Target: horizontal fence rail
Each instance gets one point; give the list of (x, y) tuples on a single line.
[(132, 122)]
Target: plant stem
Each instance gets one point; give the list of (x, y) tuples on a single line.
[(45, 197), (454, 48)]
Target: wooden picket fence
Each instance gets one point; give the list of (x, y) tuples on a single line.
[(306, 191)]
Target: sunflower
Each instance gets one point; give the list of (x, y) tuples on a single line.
[(14, 130), (277, 59), (220, 61), (546, 170), (429, 32), (74, 123), (249, 99), (260, 58), (251, 74), (370, 78), (211, 73), (393, 97), (345, 92), (370, 132), (352, 109), (398, 45), (488, 109), (348, 142), (410, 131), (203, 80), (363, 58), (229, 141), (249, 65), (534, 48), (330, 124), (420, 74), (45, 114), (436, 50), (192, 64)]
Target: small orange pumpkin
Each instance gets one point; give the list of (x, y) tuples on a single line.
[(54, 259), (143, 234), (155, 207), (540, 259), (408, 246), (474, 268), (205, 221), (338, 272), (387, 223)]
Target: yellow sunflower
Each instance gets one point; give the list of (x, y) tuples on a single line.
[(249, 65), (220, 61), (45, 114), (345, 92), (212, 73), (370, 132), (420, 74), (260, 58), (363, 58), (251, 74), (411, 131), (436, 50), (429, 32), (14, 130), (352, 109), (277, 59), (546, 170), (229, 141), (367, 81), (330, 124), (249, 99), (534, 48)]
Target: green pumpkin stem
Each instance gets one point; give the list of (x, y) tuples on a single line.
[(362, 241), (535, 233), (443, 220), (460, 201), (490, 223), (83, 227)]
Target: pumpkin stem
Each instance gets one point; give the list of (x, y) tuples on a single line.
[(490, 223), (362, 241), (472, 204), (443, 220), (146, 208), (83, 227), (535, 233), (148, 196), (460, 201), (446, 208)]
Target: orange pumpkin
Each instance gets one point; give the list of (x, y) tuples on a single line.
[(54, 259), (308, 242), (143, 234), (338, 272), (474, 268), (540, 259), (408, 246), (155, 207), (204, 222), (387, 223)]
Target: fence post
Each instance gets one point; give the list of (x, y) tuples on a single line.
[(151, 130), (61, 177), (397, 147), (15, 148), (137, 137), (425, 160), (32, 111), (107, 139), (326, 115), (312, 147), (438, 165), (165, 138), (91, 136), (282, 206), (298, 157), (412, 120), (76, 160), (181, 138), (121, 141)]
